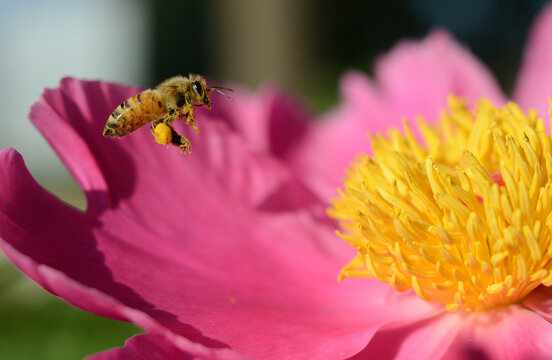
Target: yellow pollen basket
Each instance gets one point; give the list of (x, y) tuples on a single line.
[(163, 134), (464, 219)]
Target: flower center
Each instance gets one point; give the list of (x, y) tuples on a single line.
[(465, 219)]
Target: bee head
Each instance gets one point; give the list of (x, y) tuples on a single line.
[(200, 93)]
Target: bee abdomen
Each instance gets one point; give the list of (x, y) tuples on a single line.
[(134, 113)]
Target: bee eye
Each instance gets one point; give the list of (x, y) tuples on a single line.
[(198, 88)]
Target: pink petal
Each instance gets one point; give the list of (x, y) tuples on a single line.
[(269, 120), (72, 141), (511, 332), (228, 289), (233, 290), (534, 85), (100, 303), (426, 339), (417, 77), (540, 301), (184, 240), (152, 347), (414, 79), (328, 150)]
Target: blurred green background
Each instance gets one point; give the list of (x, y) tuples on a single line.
[(302, 46)]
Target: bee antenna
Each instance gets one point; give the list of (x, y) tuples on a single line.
[(216, 88), (221, 87)]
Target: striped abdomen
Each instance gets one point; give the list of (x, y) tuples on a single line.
[(134, 113)]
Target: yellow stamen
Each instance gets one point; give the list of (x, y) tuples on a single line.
[(462, 217)]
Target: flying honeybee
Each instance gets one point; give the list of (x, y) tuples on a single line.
[(173, 98)]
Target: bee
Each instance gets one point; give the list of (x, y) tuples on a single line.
[(172, 99)]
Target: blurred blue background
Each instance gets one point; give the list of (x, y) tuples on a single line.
[(302, 46)]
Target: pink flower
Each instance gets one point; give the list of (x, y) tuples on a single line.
[(227, 253)]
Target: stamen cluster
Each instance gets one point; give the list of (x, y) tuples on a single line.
[(463, 217)]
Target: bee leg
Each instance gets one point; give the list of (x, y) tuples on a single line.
[(154, 124), (181, 141), (190, 119), (164, 132), (176, 138), (189, 112), (167, 120)]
